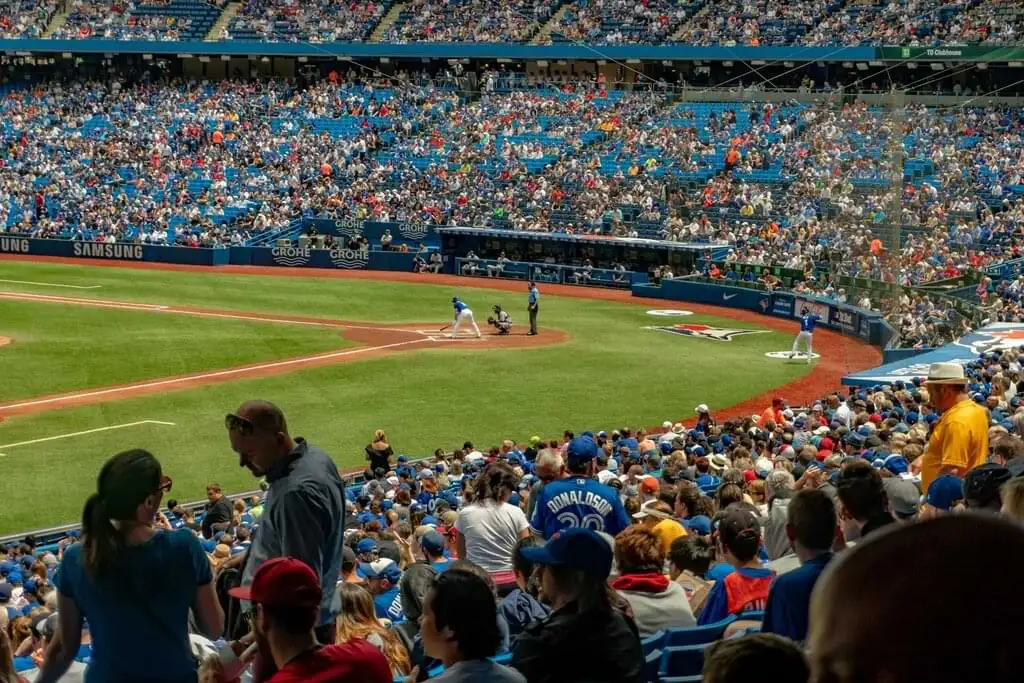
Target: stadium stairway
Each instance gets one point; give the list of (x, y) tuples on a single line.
[(56, 23), (381, 29), (677, 34), (223, 21), (554, 22)]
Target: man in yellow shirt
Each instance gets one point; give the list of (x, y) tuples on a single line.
[(959, 441)]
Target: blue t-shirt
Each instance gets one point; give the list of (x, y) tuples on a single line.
[(807, 322), (789, 600), (126, 641), (388, 605), (459, 307), (578, 502), (441, 565)]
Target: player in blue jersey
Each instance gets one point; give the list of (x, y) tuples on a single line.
[(579, 500), (807, 322), (463, 314)]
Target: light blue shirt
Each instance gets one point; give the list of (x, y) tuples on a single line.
[(534, 295), (459, 306)]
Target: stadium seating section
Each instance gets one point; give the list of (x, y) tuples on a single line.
[(700, 22)]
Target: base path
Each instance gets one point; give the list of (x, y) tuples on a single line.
[(374, 340), (841, 354)]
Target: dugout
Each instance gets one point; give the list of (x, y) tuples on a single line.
[(637, 255)]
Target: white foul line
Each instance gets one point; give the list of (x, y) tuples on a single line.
[(206, 375), (87, 431), (131, 306), (51, 284)]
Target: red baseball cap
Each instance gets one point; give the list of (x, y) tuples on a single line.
[(650, 485), (282, 581)]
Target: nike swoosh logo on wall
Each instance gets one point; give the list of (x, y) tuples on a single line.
[(726, 297)]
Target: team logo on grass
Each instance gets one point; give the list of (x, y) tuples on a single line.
[(996, 340), (722, 334)]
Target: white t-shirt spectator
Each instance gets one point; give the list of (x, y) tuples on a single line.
[(491, 531)]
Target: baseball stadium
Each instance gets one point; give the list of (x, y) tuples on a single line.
[(578, 297)]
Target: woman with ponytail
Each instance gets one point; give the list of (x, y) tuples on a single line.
[(134, 584)]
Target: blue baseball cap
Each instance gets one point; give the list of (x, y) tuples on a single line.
[(945, 491), (433, 542), (365, 518), (386, 505), (514, 499), (403, 458), (31, 585), (381, 569), (896, 464), (665, 447), (14, 578), (931, 417), (700, 524), (582, 449), (580, 549), (367, 545), (429, 520)]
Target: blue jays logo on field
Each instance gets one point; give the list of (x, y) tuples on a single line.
[(413, 231), (722, 334), (988, 341)]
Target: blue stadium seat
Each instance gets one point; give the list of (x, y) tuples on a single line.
[(687, 660), (698, 635)]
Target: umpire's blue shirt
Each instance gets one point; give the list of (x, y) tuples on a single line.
[(304, 518), (789, 600)]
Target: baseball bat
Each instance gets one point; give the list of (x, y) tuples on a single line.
[(445, 327)]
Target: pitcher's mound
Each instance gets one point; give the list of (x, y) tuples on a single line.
[(4, 341)]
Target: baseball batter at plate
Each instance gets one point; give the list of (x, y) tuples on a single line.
[(463, 314), (807, 322)]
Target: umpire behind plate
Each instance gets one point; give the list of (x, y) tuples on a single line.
[(500, 320)]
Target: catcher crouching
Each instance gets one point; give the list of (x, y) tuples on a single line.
[(500, 320)]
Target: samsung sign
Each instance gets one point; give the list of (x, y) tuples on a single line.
[(14, 245), (123, 252)]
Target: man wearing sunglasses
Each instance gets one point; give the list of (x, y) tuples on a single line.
[(304, 514)]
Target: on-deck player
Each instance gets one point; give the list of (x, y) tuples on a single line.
[(807, 322), (463, 314)]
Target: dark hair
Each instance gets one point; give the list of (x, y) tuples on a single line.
[(496, 482), (292, 620), (638, 550), (743, 542), (688, 495), (741, 660), (812, 515), (728, 494), (473, 568), (463, 602), (524, 566), (125, 481), (861, 491), (693, 553), (703, 506)]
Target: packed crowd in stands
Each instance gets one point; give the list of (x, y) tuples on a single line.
[(799, 186), (716, 22), (25, 19), (458, 21), (314, 22), (667, 552)]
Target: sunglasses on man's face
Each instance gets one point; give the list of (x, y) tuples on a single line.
[(234, 423)]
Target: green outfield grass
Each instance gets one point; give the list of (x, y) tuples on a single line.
[(611, 373), (63, 348)]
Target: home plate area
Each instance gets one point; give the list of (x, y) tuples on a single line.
[(789, 355)]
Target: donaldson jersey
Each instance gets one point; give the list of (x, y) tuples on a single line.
[(578, 502), (807, 322), (459, 307)]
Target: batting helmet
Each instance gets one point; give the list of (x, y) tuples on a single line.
[(497, 308), (805, 310), (454, 299)]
